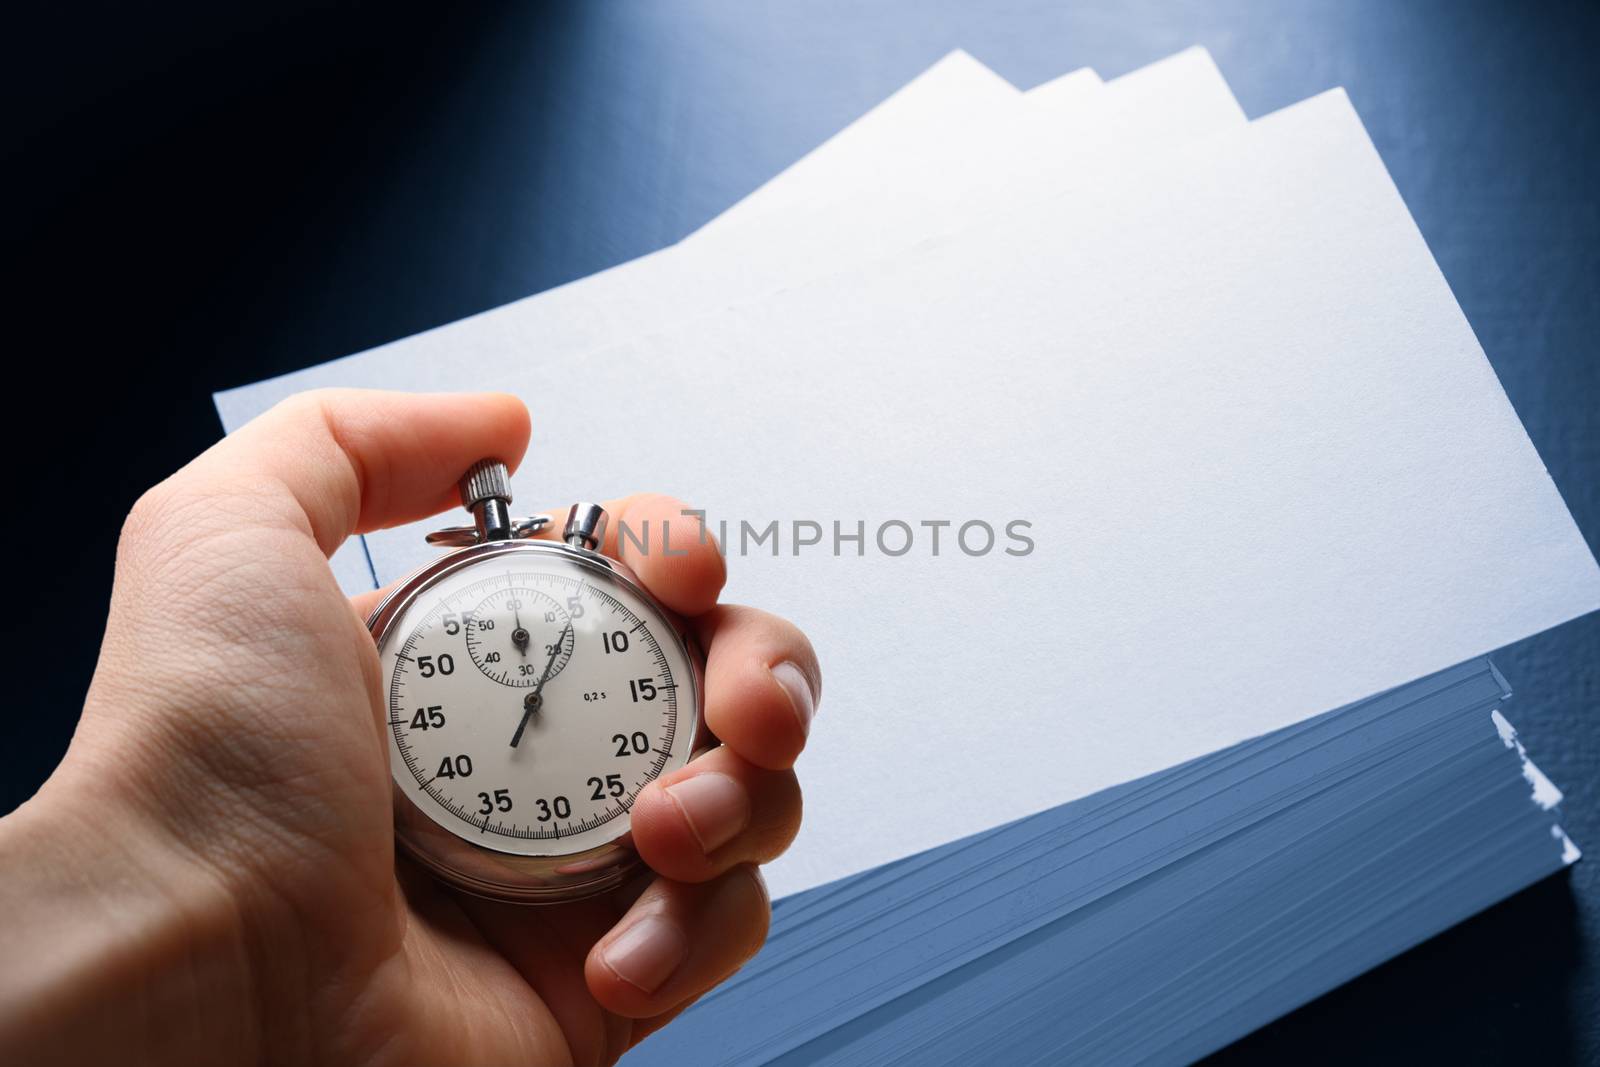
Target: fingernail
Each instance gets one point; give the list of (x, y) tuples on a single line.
[(794, 683), (646, 953), (715, 806)]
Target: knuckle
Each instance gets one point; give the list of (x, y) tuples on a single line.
[(769, 628), (147, 511), (759, 907), (803, 654), (159, 513), (798, 643), (311, 403), (784, 640), (307, 415), (777, 818)]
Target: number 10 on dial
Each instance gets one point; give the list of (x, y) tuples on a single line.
[(532, 688)]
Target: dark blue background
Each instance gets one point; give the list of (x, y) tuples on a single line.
[(200, 196)]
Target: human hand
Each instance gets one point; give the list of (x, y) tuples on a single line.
[(210, 875)]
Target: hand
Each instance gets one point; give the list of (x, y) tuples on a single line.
[(210, 874)]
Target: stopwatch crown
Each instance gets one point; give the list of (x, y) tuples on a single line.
[(485, 480), (486, 492)]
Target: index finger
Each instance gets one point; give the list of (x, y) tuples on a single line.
[(339, 461)]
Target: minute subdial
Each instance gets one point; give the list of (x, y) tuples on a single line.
[(516, 634)]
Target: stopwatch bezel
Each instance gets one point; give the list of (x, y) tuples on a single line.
[(488, 872)]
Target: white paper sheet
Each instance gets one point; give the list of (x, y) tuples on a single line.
[(975, 170), (915, 133), (1268, 470), (943, 104), (914, 130)]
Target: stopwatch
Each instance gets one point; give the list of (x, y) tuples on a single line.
[(532, 689)]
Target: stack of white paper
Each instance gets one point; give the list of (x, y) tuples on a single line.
[(1183, 718)]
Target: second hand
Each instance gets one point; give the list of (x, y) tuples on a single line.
[(534, 699)]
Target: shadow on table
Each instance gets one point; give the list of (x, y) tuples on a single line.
[(1493, 990)]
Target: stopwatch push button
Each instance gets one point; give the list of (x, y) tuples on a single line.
[(585, 527)]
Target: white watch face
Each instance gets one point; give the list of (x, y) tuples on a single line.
[(530, 697)]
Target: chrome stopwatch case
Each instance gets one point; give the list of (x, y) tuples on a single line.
[(532, 689)]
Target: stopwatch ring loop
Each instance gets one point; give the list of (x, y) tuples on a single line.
[(462, 536)]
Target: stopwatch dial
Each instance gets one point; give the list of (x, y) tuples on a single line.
[(538, 750), (518, 636)]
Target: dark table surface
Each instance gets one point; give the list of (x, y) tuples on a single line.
[(205, 195)]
